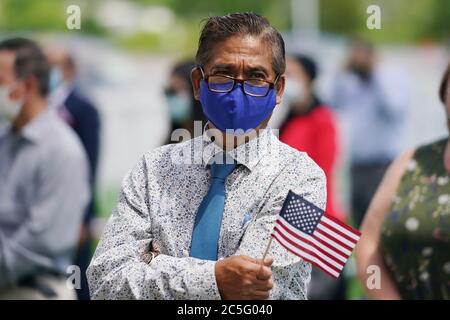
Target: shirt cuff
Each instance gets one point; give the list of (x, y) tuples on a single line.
[(202, 282)]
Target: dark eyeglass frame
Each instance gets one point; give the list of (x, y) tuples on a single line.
[(241, 81)]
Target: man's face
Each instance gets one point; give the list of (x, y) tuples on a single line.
[(58, 58), (177, 84), (361, 58), (7, 75), (242, 58), (296, 72)]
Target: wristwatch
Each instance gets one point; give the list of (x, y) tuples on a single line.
[(151, 251)]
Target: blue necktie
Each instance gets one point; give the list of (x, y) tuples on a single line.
[(205, 236)]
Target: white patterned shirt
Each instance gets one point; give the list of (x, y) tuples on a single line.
[(159, 201)]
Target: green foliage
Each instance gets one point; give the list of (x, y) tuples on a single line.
[(402, 20), (344, 16), (439, 25), (31, 15), (43, 15)]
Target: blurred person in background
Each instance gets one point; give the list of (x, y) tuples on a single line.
[(44, 187), (184, 109), (82, 116), (310, 127), (373, 102), (407, 227)]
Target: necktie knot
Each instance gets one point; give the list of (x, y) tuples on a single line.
[(221, 170), (222, 166)]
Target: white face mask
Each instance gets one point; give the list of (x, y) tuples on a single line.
[(9, 109), (294, 91)]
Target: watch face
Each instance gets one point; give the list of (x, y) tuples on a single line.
[(147, 257), (154, 247)]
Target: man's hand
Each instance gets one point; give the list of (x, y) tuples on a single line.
[(243, 277)]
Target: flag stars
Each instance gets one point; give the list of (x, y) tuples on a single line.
[(302, 215)]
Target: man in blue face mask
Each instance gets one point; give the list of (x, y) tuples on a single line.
[(239, 80), (194, 218)]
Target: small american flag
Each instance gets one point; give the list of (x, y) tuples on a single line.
[(310, 233)]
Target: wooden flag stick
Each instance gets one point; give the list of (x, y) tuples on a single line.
[(267, 250)]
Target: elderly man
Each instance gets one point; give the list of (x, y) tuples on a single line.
[(44, 186), (194, 219)]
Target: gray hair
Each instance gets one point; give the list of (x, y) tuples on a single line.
[(220, 28)]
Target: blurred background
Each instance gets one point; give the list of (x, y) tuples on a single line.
[(125, 51)]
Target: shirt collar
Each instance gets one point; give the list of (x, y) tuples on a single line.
[(247, 154), (36, 129)]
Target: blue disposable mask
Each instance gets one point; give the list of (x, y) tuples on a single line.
[(55, 79), (180, 107), (235, 110)]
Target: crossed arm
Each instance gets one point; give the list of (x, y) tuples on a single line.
[(117, 272)]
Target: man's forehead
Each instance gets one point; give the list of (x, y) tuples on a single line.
[(7, 59), (251, 50)]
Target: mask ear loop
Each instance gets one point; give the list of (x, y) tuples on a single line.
[(201, 70), (276, 80)]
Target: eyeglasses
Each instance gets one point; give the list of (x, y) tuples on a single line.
[(251, 87)]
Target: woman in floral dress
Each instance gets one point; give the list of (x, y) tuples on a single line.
[(404, 252)]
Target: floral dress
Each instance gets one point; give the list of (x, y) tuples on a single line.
[(415, 236)]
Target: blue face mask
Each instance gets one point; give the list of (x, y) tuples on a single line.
[(235, 109), (56, 77), (180, 107)]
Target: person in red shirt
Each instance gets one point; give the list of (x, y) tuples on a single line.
[(311, 127)]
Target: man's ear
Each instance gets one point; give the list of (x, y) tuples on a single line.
[(279, 87), (196, 77)]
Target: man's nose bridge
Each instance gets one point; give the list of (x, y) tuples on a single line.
[(239, 85), (240, 75)]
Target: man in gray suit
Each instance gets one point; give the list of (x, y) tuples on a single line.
[(44, 186)]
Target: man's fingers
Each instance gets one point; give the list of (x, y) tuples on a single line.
[(250, 259), (264, 273), (268, 261), (263, 285), (260, 295), (262, 270), (254, 295)]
